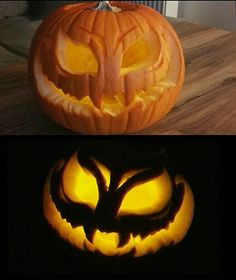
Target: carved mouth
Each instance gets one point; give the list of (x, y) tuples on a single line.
[(111, 106)]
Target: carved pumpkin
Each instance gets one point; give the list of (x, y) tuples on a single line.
[(101, 204), (106, 71)]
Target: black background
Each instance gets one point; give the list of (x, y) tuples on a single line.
[(34, 248)]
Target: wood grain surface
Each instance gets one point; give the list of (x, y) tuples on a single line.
[(206, 105)]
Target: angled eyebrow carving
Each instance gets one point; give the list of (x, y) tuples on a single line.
[(121, 38), (98, 39), (125, 34), (143, 176)]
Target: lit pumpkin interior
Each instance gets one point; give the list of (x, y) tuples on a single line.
[(78, 59), (148, 197), (141, 54), (107, 242), (137, 53), (81, 186), (114, 108), (75, 58)]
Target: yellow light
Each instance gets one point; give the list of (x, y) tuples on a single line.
[(105, 172), (149, 197), (128, 175), (135, 54), (184, 217), (75, 58), (79, 184), (141, 54), (107, 243)]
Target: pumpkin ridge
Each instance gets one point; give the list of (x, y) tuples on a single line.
[(148, 120), (52, 27), (66, 26), (124, 86), (119, 104), (167, 99), (96, 100), (130, 93), (122, 36)]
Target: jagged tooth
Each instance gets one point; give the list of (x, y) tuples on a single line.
[(144, 235), (135, 234), (123, 239), (120, 98), (129, 97), (95, 92), (97, 101), (89, 232)]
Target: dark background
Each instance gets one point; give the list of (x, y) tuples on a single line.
[(34, 248)]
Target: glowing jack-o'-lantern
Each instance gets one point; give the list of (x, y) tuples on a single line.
[(106, 70), (99, 206)]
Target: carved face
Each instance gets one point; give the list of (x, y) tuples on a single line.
[(101, 205), (121, 69)]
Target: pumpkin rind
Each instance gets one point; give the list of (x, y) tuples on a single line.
[(111, 101)]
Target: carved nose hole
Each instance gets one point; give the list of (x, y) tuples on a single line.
[(106, 211)]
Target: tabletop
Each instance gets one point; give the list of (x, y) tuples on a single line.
[(206, 105)]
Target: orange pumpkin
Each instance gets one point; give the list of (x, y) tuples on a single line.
[(106, 71)]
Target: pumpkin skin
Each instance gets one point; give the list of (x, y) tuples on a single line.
[(116, 211), (102, 72)]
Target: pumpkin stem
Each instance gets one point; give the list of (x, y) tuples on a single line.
[(106, 6)]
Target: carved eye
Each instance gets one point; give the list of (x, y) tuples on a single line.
[(149, 197), (141, 54), (75, 58), (79, 184)]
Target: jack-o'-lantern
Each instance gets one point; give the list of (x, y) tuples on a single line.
[(113, 69), (99, 204)]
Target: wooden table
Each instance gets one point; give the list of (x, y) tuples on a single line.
[(206, 106)]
